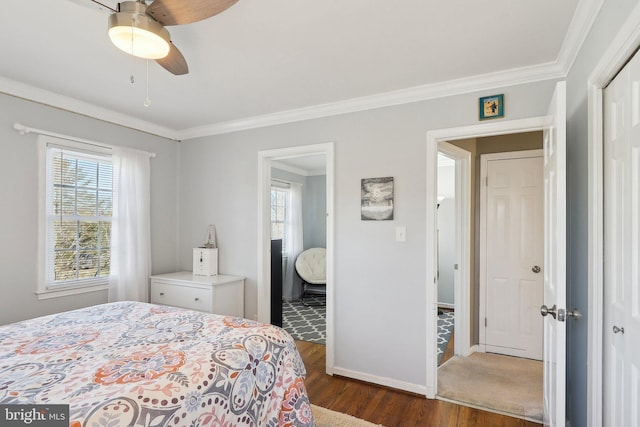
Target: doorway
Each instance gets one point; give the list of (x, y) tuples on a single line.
[(265, 159), (454, 208), (447, 265), (553, 125), (478, 148), (298, 225)]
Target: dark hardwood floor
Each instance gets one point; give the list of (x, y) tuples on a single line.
[(386, 406)]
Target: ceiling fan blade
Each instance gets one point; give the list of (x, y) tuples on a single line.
[(178, 12), (174, 62)]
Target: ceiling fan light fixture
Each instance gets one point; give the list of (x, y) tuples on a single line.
[(139, 35)]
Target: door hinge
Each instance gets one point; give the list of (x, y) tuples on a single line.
[(486, 181), (485, 322)]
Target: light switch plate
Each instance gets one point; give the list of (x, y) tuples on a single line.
[(401, 233)]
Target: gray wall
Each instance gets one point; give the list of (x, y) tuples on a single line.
[(380, 284), (19, 194), (446, 250), (612, 15), (314, 210), (314, 206), (446, 233)]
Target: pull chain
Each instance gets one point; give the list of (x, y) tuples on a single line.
[(131, 78), (147, 101)]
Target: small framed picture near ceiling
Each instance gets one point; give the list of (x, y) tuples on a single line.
[(492, 107), (376, 199)]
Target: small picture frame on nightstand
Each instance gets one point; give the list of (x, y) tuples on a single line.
[(491, 107)]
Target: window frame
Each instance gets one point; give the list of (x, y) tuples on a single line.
[(45, 289), (285, 188)]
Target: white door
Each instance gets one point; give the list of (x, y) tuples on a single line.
[(621, 355), (554, 273), (512, 255)]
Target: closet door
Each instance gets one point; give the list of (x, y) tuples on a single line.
[(512, 253), (622, 248)]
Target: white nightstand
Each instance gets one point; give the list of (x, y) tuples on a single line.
[(219, 294)]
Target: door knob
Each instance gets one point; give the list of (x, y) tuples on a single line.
[(544, 310), (617, 329), (536, 269)]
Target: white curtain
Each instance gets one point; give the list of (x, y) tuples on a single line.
[(294, 244), (131, 230)]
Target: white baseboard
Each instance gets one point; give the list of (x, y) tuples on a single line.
[(472, 349), (383, 381)]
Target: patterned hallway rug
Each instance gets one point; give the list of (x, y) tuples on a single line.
[(304, 323), (445, 327)]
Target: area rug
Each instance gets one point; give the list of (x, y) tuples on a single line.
[(493, 382), (304, 323), (445, 327), (327, 418)]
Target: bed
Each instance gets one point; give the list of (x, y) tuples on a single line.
[(137, 364)]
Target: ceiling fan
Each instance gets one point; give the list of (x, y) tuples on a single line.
[(139, 29)]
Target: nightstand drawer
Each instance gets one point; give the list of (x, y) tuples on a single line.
[(181, 296), (219, 294)]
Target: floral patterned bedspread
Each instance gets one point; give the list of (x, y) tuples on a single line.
[(137, 364)]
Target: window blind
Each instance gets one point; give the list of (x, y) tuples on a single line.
[(79, 209)]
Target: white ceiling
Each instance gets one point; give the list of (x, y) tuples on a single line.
[(270, 61), (305, 165)]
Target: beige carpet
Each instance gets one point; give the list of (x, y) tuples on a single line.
[(327, 418), (498, 383)]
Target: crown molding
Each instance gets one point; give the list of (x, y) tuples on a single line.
[(499, 79), (548, 71), (62, 102), (584, 17), (582, 21), (298, 171), (287, 168)]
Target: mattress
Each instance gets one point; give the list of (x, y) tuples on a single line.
[(138, 364)]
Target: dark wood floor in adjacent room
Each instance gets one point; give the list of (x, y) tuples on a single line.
[(386, 406)]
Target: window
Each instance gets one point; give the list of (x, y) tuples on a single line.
[(77, 216), (279, 202)]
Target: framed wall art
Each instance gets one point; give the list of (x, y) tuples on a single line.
[(491, 107), (376, 199)]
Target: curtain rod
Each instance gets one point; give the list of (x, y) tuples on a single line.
[(22, 129)]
